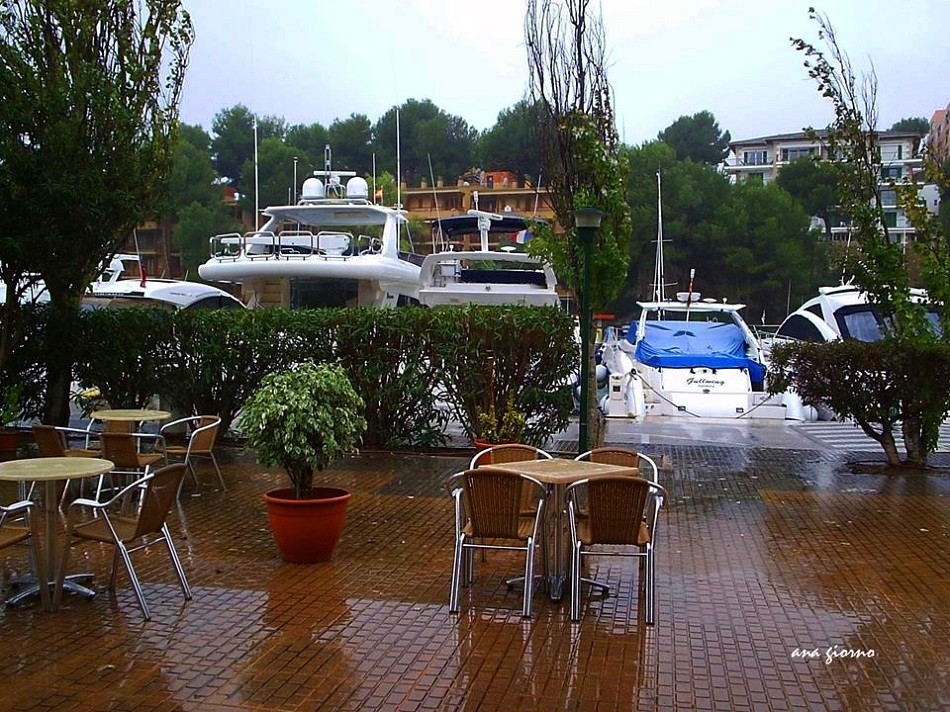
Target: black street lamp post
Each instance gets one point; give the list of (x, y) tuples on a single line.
[(587, 221)]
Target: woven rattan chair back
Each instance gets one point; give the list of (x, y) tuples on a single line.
[(49, 441), (203, 442), (512, 452), (493, 503), (160, 493), (615, 510), (625, 458), (121, 449)]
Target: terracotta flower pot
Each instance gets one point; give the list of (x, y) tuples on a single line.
[(307, 530), (9, 444)]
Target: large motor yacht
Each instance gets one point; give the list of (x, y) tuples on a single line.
[(334, 247)]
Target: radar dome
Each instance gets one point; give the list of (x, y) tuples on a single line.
[(312, 189), (356, 187)]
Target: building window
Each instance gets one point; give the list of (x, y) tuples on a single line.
[(888, 197), (790, 154), (755, 158), (890, 218), (894, 172)]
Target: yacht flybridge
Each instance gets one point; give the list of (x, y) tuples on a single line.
[(504, 275), (332, 248)]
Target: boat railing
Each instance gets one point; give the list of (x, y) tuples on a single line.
[(292, 244)]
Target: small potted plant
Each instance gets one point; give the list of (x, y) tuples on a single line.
[(10, 413), (495, 428), (301, 419)]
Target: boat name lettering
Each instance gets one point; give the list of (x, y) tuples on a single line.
[(704, 382)]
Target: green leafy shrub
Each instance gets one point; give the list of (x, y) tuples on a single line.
[(490, 357)]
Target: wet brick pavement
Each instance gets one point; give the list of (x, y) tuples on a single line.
[(763, 553)]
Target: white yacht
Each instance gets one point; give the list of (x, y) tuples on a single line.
[(504, 275), (841, 312), (333, 248), (692, 357), (123, 283)]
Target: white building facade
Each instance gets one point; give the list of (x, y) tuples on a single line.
[(761, 160)]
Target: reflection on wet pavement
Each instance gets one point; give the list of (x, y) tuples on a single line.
[(783, 582)]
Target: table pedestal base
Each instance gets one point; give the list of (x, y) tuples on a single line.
[(70, 584)]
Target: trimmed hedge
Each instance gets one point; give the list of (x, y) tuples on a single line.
[(414, 368)]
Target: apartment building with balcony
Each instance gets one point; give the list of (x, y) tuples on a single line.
[(938, 140), (762, 159)]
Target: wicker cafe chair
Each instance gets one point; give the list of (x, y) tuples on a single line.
[(203, 434), (623, 456), (123, 450), (52, 441), (17, 525), (622, 514), (110, 526), (511, 452), (514, 452), (488, 516)]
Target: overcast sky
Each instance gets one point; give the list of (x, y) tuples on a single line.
[(318, 60)]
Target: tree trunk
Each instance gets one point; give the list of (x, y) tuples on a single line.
[(915, 441), (885, 438), (59, 360)]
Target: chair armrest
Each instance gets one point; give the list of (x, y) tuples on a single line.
[(158, 438), (24, 505), (173, 423), (73, 431), (94, 504)]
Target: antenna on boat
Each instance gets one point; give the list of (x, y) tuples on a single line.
[(374, 178), (435, 200), (257, 192), (398, 164), (659, 288), (537, 194), (689, 291)]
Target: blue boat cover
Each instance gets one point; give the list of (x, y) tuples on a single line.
[(685, 344)]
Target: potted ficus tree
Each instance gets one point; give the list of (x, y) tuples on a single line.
[(301, 419)]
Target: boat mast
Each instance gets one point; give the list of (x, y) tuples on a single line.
[(257, 192), (659, 286)]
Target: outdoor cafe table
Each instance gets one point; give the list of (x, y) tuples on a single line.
[(129, 415), (557, 474), (126, 420), (50, 471)]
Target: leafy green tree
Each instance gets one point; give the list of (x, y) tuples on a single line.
[(192, 176), (233, 142), (772, 255), (882, 266), (815, 185), (512, 143), (748, 243), (698, 138), (195, 199), (427, 133), (309, 140), (275, 173), (352, 143), (89, 119), (197, 223), (917, 124)]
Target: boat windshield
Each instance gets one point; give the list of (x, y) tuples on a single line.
[(863, 323)]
